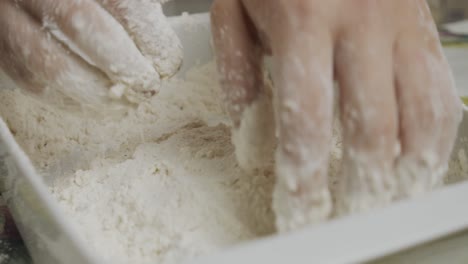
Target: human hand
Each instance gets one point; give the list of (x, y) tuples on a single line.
[(398, 103), (88, 50)]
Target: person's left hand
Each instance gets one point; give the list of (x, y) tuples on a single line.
[(87, 50)]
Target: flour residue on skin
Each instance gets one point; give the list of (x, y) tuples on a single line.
[(149, 28), (98, 59), (255, 139), (108, 46)]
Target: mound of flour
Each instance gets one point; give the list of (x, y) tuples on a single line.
[(160, 185)]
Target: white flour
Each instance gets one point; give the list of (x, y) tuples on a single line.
[(159, 186)]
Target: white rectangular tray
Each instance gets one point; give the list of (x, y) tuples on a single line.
[(353, 239)]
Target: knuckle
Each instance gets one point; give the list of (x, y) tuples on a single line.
[(219, 7), (372, 130), (446, 114), (439, 104), (372, 121), (216, 7)]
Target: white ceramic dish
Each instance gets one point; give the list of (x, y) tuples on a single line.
[(354, 239)]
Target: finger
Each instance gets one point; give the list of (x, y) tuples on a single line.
[(239, 61), (102, 39), (238, 57), (148, 26), (430, 113), (41, 65), (305, 116), (369, 118)]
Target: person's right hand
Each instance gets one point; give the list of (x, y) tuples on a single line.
[(114, 48), (397, 99)]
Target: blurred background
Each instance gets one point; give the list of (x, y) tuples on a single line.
[(451, 16), (444, 10), (176, 7)]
